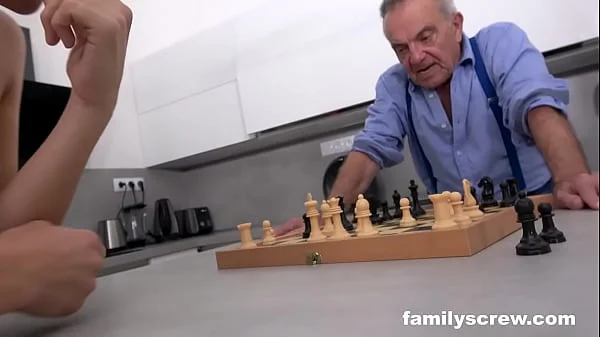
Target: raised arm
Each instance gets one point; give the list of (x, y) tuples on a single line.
[(536, 105), (378, 145), (43, 189)]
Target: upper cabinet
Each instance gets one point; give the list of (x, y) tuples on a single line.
[(550, 24), (191, 66), (196, 124), (309, 59)]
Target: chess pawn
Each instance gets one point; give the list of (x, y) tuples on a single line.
[(470, 207), (441, 211), (459, 216), (268, 237), (549, 232), (246, 236), (326, 215), (363, 216), (339, 232), (313, 215), (407, 218)]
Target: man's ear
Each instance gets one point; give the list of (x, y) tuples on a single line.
[(457, 23)]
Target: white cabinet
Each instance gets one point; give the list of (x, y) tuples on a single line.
[(196, 124), (204, 61), (322, 76), (550, 24)]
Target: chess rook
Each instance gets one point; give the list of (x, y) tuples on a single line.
[(246, 240)]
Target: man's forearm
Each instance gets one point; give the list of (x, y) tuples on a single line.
[(558, 143), (43, 189), (354, 177)]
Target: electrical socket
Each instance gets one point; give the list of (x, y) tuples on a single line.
[(117, 181), (336, 146)]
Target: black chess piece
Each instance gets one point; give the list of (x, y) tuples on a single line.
[(385, 211), (507, 199), (347, 224), (488, 198), (549, 232), (474, 194), (513, 189), (354, 219), (530, 243), (415, 208), (374, 209), (306, 233), (396, 198)]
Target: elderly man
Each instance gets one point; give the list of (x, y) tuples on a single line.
[(46, 269), (469, 108)]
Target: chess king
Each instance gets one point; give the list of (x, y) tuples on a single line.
[(467, 108)]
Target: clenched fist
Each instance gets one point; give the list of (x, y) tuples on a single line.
[(97, 32), (48, 270)]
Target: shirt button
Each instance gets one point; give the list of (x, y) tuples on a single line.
[(430, 95), (458, 153), (443, 126)]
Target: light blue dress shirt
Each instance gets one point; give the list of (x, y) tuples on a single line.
[(471, 147)]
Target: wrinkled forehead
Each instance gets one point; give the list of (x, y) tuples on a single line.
[(410, 17)]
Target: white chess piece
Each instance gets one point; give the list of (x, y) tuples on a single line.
[(407, 219)]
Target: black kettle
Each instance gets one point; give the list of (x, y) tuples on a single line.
[(165, 224)]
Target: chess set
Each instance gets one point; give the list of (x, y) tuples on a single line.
[(450, 224)]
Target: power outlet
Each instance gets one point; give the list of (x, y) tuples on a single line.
[(117, 182), (337, 146)]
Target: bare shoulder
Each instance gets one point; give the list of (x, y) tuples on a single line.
[(12, 45)]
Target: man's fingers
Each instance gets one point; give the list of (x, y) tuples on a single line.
[(62, 21), (568, 200), (50, 7), (588, 191)]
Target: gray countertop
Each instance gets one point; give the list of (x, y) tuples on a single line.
[(185, 295), (142, 257)]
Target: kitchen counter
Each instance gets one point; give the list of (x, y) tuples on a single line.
[(185, 295), (142, 257)]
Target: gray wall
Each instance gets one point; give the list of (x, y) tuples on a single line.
[(273, 185)]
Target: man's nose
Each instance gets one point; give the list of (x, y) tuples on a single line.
[(416, 56)]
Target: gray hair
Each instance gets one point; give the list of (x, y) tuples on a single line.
[(447, 6)]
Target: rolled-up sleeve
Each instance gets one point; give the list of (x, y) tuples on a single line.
[(521, 76), (381, 139)]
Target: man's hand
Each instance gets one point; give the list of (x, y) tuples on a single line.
[(578, 192), (48, 270), (97, 31)]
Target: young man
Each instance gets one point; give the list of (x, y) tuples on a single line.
[(46, 269), (436, 99)]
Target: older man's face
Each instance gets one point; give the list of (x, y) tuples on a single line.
[(426, 41), (22, 6)]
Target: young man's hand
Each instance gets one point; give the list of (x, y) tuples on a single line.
[(97, 31), (47, 270)]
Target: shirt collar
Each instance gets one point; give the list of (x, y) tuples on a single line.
[(466, 57)]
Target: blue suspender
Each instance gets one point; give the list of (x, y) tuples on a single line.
[(492, 98)]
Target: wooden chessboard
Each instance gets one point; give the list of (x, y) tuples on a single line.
[(391, 243)]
